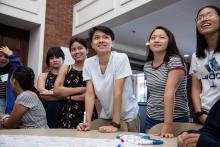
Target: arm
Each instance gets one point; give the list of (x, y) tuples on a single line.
[(89, 100), (47, 95), (89, 105), (174, 79), (80, 97), (60, 90), (117, 101), (13, 121), (196, 90), (41, 83)]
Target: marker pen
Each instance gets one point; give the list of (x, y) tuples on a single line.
[(154, 142), (84, 120)]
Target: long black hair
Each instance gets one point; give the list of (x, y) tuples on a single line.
[(202, 44), (172, 48), (25, 77)]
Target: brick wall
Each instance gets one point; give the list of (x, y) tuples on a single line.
[(58, 24)]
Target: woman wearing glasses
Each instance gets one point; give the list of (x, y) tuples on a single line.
[(206, 76), (205, 64)]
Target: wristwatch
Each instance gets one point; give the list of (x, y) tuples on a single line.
[(197, 115), (114, 124)]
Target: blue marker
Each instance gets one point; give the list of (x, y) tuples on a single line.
[(154, 142), (145, 137)]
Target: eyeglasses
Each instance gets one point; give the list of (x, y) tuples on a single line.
[(209, 15)]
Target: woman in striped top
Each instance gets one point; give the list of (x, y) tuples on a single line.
[(166, 80)]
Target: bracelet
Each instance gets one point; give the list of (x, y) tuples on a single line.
[(114, 124)]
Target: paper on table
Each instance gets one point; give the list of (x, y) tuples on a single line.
[(47, 141)]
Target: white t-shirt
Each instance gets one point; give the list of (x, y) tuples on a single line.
[(118, 67), (208, 71)]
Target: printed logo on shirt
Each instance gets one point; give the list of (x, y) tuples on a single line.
[(213, 70)]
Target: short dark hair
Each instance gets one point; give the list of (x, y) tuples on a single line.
[(79, 40), (202, 44), (54, 51), (103, 29), (172, 48)]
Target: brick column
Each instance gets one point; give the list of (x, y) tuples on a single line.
[(58, 27)]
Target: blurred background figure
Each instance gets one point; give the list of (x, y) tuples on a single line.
[(8, 63)]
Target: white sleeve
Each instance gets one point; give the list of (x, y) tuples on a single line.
[(123, 68), (193, 66), (86, 71)]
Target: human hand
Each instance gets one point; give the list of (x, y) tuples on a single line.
[(108, 129), (1, 115), (166, 131), (83, 126), (6, 50), (187, 139)]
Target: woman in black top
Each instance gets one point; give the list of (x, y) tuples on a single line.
[(52, 103), (70, 84)]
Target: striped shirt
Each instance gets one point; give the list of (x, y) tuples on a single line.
[(156, 80), (35, 117), (3, 83)]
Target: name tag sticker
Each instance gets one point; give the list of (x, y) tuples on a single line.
[(4, 77)]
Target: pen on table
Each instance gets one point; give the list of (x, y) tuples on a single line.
[(154, 142), (84, 120), (141, 140)]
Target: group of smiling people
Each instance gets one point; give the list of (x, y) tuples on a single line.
[(66, 91)]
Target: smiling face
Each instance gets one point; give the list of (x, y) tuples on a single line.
[(3, 60), (158, 41), (101, 42), (207, 21), (78, 52)]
